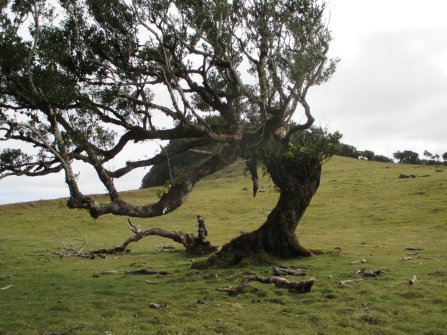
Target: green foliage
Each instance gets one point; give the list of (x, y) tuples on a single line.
[(13, 51), (83, 80), (347, 150), (12, 158), (314, 145), (382, 158), (407, 157), (362, 208), (367, 155)]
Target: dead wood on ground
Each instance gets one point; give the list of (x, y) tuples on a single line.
[(146, 272), (293, 286), (66, 332), (194, 246), (284, 270), (371, 273), (350, 281)]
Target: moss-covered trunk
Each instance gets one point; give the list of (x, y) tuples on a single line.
[(297, 180)]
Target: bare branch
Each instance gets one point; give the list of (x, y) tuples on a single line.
[(194, 245)]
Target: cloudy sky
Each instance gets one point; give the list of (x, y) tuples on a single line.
[(389, 92)]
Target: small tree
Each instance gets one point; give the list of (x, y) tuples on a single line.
[(367, 155), (428, 154), (382, 158), (407, 157), (347, 150), (83, 87)]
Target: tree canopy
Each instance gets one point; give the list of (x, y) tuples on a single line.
[(80, 80), (82, 87), (407, 157)]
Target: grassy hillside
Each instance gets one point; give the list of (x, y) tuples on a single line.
[(361, 211)]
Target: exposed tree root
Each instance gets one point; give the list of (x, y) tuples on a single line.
[(293, 286), (229, 258)]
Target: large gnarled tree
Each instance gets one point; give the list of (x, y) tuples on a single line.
[(84, 85)]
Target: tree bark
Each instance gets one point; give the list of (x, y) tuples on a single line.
[(297, 179)]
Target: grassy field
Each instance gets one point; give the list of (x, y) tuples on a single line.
[(361, 211)]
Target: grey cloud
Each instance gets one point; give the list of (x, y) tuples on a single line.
[(394, 88)]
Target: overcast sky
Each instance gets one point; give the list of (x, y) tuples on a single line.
[(390, 89), (389, 92)]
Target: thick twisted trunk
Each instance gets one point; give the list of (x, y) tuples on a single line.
[(277, 235), (297, 180)]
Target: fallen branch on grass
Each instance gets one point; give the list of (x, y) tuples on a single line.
[(66, 332), (283, 270), (407, 258), (350, 281), (194, 246), (6, 287), (110, 272), (293, 286), (156, 306), (146, 272), (73, 248), (363, 261), (372, 273), (131, 272), (364, 273)]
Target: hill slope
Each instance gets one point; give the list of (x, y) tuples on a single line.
[(361, 211)]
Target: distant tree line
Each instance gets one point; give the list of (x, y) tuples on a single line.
[(411, 157), (402, 157), (348, 150)]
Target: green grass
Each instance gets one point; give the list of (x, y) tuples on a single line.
[(361, 211)]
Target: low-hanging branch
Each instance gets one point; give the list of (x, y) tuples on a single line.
[(174, 198)]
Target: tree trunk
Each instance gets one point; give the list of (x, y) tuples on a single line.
[(277, 235), (298, 180)]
